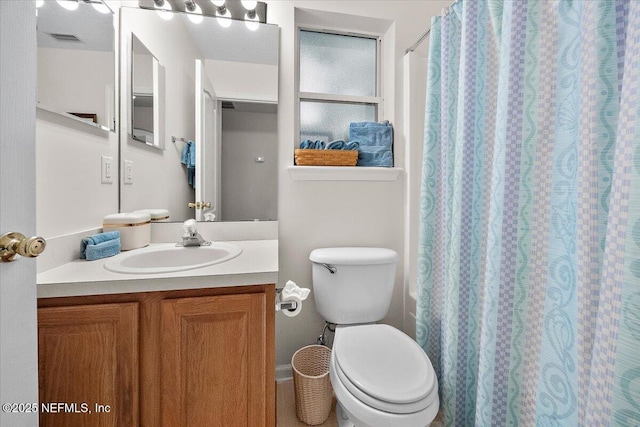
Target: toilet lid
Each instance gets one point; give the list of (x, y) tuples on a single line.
[(384, 363)]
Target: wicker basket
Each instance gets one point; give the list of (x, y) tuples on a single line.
[(314, 395), (305, 157)]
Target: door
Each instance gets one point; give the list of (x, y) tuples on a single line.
[(18, 327), (208, 145)]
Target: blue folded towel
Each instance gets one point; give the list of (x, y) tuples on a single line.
[(189, 160), (100, 246), (336, 145), (376, 141)]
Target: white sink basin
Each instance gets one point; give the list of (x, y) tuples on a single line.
[(167, 258)]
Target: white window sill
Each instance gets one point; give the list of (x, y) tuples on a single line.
[(343, 173)]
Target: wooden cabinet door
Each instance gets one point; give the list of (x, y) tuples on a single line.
[(88, 356), (214, 361)]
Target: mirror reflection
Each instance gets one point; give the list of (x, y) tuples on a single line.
[(142, 102), (76, 62), (220, 109)]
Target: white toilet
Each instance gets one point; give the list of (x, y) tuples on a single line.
[(381, 377)]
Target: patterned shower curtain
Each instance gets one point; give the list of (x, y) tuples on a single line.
[(529, 260)]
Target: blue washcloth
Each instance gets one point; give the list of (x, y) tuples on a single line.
[(312, 145), (189, 160), (376, 142), (100, 246), (352, 145), (338, 144)]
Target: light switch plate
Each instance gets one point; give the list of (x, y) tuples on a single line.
[(128, 172), (106, 168)]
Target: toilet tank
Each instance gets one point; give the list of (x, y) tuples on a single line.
[(359, 289)]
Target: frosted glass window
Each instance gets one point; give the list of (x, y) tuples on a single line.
[(337, 64), (328, 121)]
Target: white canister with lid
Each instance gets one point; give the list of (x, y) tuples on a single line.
[(157, 215), (134, 228)]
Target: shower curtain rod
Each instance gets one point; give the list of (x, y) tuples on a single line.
[(426, 33)]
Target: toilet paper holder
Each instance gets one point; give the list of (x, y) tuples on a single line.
[(289, 298), (284, 305)]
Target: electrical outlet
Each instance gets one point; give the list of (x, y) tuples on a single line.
[(106, 169), (128, 172)]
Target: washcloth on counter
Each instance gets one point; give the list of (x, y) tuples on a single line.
[(376, 142), (100, 246), (189, 160)]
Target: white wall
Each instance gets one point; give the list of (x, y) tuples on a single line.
[(248, 187), (65, 84), (314, 214), (243, 80), (69, 194), (154, 169)]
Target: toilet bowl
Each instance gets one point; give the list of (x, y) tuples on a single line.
[(381, 377)]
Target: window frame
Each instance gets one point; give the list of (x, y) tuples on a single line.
[(377, 101)]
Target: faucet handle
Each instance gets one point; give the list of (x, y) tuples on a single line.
[(190, 227)]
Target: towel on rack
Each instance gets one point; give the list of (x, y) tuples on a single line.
[(189, 160), (100, 245), (376, 142)]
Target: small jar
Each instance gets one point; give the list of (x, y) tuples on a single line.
[(134, 228)]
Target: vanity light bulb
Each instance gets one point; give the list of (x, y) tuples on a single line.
[(249, 4), (196, 15), (39, 4), (68, 4), (100, 7), (218, 3), (164, 11), (252, 23), (224, 19)]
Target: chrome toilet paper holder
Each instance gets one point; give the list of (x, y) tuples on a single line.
[(284, 305)]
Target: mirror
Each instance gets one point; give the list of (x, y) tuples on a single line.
[(146, 83), (76, 62), (220, 110)]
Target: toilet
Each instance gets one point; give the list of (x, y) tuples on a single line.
[(381, 377)]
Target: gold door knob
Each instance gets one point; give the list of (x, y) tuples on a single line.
[(194, 205), (206, 205), (12, 244), (200, 205)]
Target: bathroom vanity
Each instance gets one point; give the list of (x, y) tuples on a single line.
[(191, 348)]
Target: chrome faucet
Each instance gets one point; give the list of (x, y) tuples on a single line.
[(191, 237)]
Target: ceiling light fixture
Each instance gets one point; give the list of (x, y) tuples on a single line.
[(68, 4)]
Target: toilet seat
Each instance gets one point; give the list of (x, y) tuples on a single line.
[(384, 368)]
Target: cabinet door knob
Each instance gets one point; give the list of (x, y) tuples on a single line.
[(12, 244)]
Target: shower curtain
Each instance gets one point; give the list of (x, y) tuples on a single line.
[(529, 260)]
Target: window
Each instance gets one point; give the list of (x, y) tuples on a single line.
[(339, 83)]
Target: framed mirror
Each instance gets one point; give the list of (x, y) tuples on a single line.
[(220, 114), (76, 62)]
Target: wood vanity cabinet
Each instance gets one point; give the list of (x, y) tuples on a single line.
[(202, 357)]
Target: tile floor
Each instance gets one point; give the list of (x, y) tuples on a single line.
[(286, 409)]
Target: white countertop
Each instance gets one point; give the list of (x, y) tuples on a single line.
[(257, 264)]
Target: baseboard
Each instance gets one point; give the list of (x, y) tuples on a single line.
[(284, 373)]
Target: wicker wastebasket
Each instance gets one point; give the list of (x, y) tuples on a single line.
[(312, 385)]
